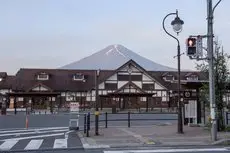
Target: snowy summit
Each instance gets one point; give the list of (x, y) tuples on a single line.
[(112, 57)]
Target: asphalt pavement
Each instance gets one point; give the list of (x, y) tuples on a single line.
[(62, 120), (202, 150)]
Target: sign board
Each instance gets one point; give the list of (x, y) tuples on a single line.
[(199, 47), (74, 116), (74, 107), (191, 109)]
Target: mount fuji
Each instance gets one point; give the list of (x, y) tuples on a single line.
[(112, 57)]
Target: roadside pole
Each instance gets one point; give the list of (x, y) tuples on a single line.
[(210, 36), (195, 51)]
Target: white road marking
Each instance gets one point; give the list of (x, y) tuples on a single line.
[(60, 143), (169, 150), (37, 136), (32, 129), (34, 144), (7, 145), (137, 136), (33, 132)]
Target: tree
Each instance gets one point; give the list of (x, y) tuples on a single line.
[(221, 80)]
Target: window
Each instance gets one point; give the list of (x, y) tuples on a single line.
[(43, 76), (0, 79), (131, 77), (192, 78), (148, 87), (110, 86), (70, 96), (78, 76), (169, 77)]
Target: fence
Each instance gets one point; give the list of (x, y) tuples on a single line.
[(127, 118)]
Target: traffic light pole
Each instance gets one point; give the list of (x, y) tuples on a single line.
[(211, 70), (210, 58)]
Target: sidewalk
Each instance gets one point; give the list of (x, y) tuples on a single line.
[(156, 135)]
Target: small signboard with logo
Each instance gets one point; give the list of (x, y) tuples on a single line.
[(74, 116), (74, 107)]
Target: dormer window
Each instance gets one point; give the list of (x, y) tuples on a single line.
[(169, 77), (43, 76), (78, 76), (192, 77)]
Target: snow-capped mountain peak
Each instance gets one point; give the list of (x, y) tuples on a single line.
[(114, 56), (115, 49)]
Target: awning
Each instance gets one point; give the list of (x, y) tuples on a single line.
[(33, 94)]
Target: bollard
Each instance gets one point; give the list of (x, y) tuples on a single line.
[(85, 123), (27, 122), (88, 125), (129, 119), (106, 120), (226, 118), (89, 119)]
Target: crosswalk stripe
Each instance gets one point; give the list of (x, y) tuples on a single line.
[(31, 130), (36, 136), (60, 143), (34, 132), (34, 144), (7, 145)]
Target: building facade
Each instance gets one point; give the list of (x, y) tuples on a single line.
[(128, 87)]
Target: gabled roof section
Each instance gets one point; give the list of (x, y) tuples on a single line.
[(39, 85), (130, 85), (137, 66)]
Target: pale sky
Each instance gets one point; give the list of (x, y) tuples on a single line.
[(53, 33)]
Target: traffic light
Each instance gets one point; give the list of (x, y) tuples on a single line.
[(191, 46)]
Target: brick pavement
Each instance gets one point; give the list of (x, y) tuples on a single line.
[(156, 135)]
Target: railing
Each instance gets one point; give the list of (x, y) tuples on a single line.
[(123, 117)]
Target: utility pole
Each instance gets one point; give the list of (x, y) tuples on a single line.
[(211, 70), (97, 72)]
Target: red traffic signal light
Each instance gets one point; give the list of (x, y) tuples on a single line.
[(191, 42), (191, 46)]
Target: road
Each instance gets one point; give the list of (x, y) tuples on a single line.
[(39, 139), (50, 131), (62, 120), (202, 150)]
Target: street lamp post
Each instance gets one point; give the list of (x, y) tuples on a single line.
[(97, 73), (177, 27)]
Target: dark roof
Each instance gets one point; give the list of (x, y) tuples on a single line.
[(3, 74), (24, 94), (158, 76), (7, 82), (62, 79), (59, 79)]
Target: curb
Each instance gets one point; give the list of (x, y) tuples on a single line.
[(221, 142), (86, 145), (127, 147)]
